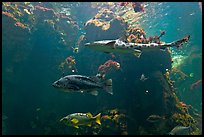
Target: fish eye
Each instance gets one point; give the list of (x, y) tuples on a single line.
[(68, 118), (67, 79)]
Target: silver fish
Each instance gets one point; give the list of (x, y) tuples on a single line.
[(180, 130), (79, 83), (155, 118), (119, 46)]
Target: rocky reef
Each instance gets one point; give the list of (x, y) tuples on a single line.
[(105, 25), (30, 29), (40, 28), (146, 99)]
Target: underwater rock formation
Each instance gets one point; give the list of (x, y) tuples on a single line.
[(140, 98), (33, 44), (105, 25), (14, 37), (156, 64)]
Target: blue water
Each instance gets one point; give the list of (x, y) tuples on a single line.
[(30, 64)]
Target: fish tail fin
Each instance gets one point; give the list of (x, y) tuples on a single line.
[(98, 118), (108, 86), (180, 42)]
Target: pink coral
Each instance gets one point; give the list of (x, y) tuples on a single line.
[(70, 62), (182, 104), (108, 65), (42, 8), (196, 84), (19, 24), (9, 15)]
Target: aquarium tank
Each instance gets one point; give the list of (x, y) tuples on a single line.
[(102, 68)]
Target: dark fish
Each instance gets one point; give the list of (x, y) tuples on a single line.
[(79, 83)]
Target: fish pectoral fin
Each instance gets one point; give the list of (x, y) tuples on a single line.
[(170, 133), (137, 52), (89, 124), (162, 48), (74, 121), (73, 87), (89, 114), (94, 92), (76, 126)]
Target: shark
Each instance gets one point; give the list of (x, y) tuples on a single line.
[(122, 46)]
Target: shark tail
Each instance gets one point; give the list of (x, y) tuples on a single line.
[(180, 42)]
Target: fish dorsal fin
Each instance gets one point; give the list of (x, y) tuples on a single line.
[(74, 121), (76, 126), (89, 124), (85, 78), (95, 78), (63, 74), (89, 114), (123, 38)]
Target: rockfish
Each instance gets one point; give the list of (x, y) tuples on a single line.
[(78, 119), (79, 83)]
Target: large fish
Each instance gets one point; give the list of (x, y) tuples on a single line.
[(180, 130), (83, 84), (78, 119), (119, 46)]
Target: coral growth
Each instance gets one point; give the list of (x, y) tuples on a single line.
[(9, 15), (106, 25), (70, 63), (182, 75), (138, 35), (19, 24), (107, 66), (178, 110), (42, 8), (196, 84), (28, 15)]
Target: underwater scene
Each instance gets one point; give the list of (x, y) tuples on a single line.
[(102, 68)]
